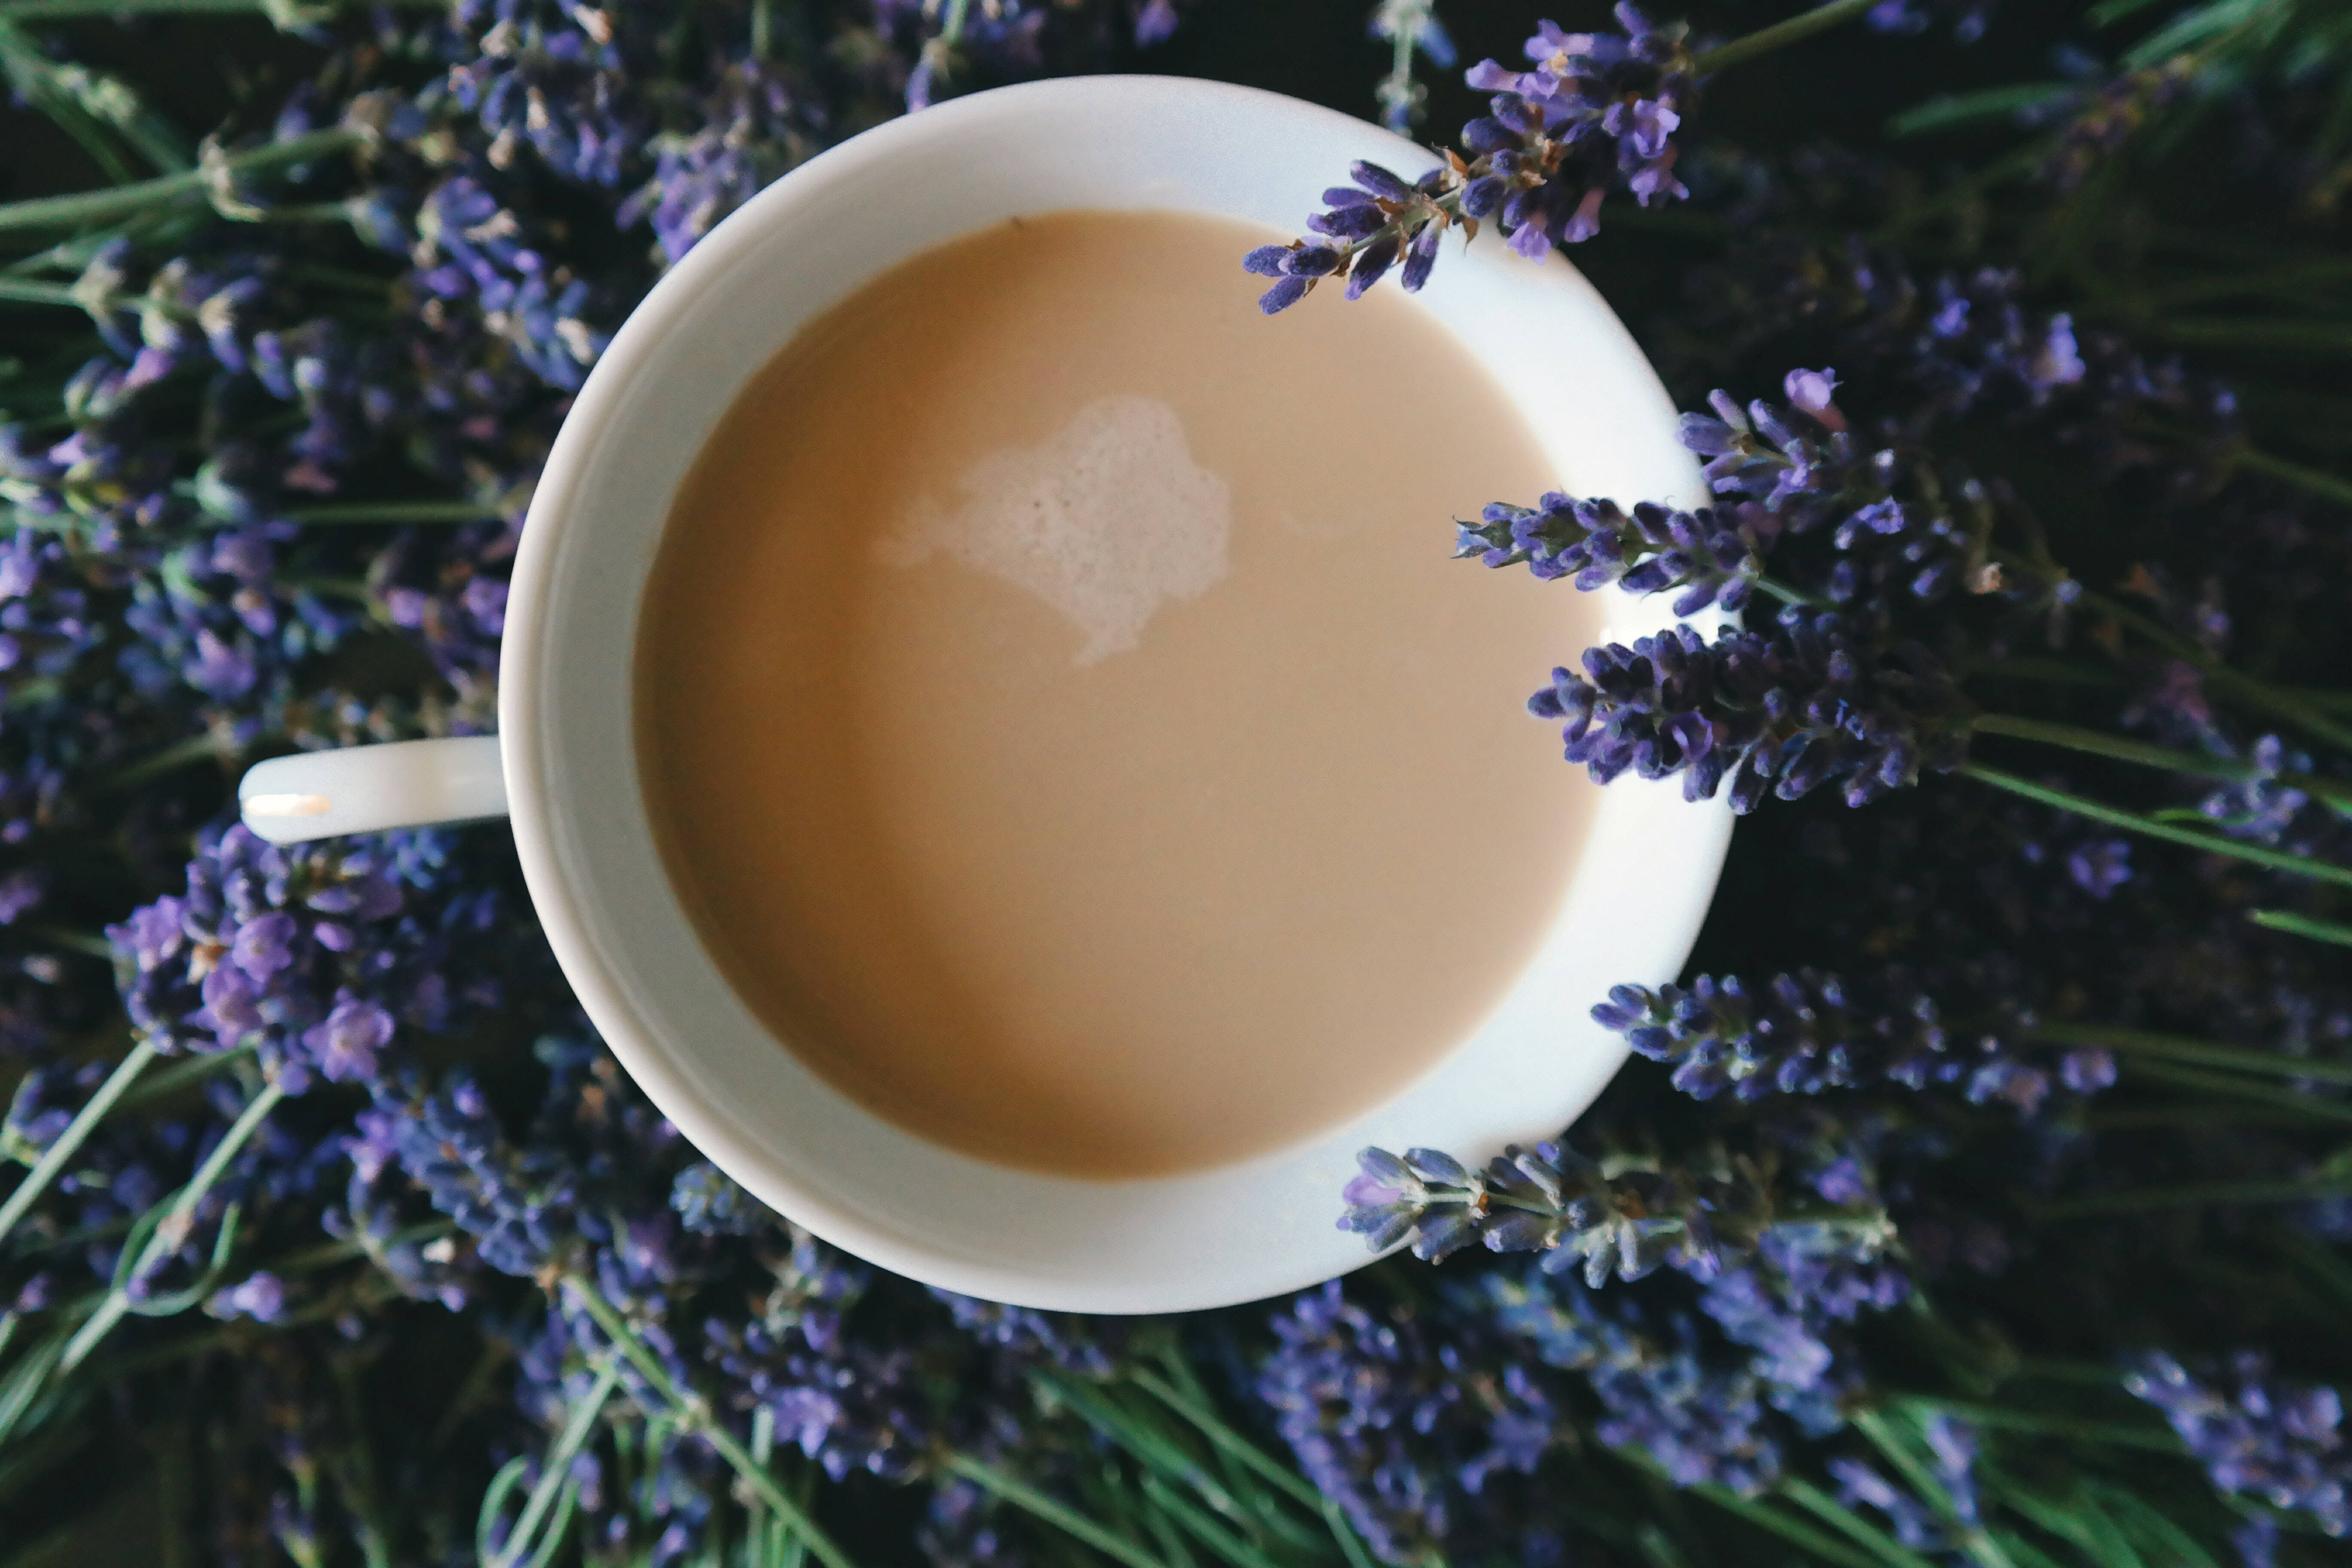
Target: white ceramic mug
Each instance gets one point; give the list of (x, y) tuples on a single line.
[(563, 766)]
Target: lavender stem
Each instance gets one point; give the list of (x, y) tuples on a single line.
[(167, 1235), (1780, 35), (556, 1469), (2302, 925), (85, 1122), (2097, 743), (2133, 822), (121, 200), (690, 1410), (2203, 1052)]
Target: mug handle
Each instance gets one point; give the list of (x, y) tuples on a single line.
[(368, 789)]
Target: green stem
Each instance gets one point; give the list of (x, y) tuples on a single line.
[(171, 759), (2197, 1195), (180, 1074), (557, 1467), (2255, 693), (169, 1235), (691, 1410), (89, 944), (2001, 1417), (1780, 35), (2302, 925), (1785, 594), (2203, 1052), (1836, 1515), (55, 1157), (1197, 1524), (2098, 742), (1924, 1480), (123, 201), (392, 511), (1031, 1500), (25, 293), (1795, 1532), (2318, 482), (2259, 1093), (72, 10), (1226, 1437), (2132, 822)]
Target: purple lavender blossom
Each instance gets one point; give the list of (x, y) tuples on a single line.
[(1663, 1395), (1406, 1432), (1552, 1200), (1809, 1032), (309, 954), (1597, 111), (1713, 557), (2279, 1442), (260, 1296), (1818, 702)]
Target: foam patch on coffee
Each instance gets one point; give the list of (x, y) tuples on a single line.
[(1105, 522)]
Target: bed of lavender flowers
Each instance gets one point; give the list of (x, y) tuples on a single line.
[(1984, 1194)]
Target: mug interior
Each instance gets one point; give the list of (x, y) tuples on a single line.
[(1634, 901)]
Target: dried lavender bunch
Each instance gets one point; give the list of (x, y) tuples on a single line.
[(1818, 700)]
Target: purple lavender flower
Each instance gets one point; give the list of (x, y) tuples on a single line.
[(260, 1296), (1552, 1200), (309, 954), (549, 75), (1817, 701), (1662, 1395), (752, 127), (1714, 557), (1597, 111), (1024, 1336), (1808, 1032), (1407, 1427), (2276, 1441), (1968, 17)]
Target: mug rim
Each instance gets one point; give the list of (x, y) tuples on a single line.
[(564, 900)]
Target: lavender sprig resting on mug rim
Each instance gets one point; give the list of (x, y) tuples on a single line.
[(1697, 1219), (1597, 110), (1714, 554)]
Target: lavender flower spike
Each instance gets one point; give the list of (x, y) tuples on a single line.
[(1596, 111), (1551, 1199), (1713, 555), (1803, 1033), (1816, 702)]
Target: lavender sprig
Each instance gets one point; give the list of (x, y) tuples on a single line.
[(1807, 1032), (1714, 556), (1597, 110), (1817, 700), (1626, 1222)]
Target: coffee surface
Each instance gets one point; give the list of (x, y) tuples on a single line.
[(1060, 718)]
